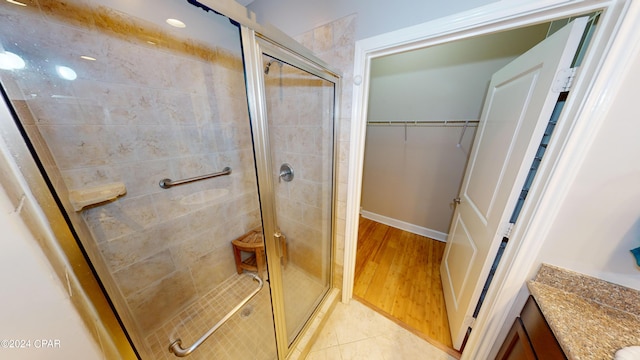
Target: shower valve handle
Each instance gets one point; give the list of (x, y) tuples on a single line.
[(286, 173)]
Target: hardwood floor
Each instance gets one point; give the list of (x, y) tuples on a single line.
[(398, 274)]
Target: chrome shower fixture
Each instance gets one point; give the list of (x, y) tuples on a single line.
[(266, 68)]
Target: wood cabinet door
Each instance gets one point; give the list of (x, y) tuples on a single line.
[(516, 346), (542, 340)]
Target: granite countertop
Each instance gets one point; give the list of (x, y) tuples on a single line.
[(590, 318)]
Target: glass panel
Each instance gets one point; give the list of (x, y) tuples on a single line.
[(300, 110), (112, 102)]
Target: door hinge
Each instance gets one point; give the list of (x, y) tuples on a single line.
[(469, 321), (507, 230), (564, 80)]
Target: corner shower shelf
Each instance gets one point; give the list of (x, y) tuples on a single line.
[(82, 198)]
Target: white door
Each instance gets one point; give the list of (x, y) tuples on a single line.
[(519, 103)]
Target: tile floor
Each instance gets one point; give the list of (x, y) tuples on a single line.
[(356, 332)]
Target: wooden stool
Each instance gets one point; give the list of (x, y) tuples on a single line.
[(253, 242)]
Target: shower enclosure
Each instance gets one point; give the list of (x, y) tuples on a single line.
[(116, 108)]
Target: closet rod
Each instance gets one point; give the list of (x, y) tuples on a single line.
[(450, 123)]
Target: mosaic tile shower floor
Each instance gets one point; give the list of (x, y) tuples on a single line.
[(248, 334)]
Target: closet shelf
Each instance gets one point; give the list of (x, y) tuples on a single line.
[(81, 198)]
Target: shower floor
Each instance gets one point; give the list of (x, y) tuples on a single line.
[(249, 334), (246, 335)]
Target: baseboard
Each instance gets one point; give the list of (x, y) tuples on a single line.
[(399, 224)]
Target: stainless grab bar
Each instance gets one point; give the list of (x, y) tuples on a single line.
[(167, 183), (176, 347)]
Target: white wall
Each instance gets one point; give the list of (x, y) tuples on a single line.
[(444, 82), (414, 181), (599, 221), (34, 303), (374, 16)]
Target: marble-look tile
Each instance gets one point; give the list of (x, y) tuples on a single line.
[(128, 249), (199, 138), (134, 247), (196, 165), (354, 331), (327, 337), (156, 303), (229, 110), (120, 144), (307, 254), (304, 139), (358, 322), (63, 112), (312, 215), (143, 273), (307, 192), (91, 176), (244, 203), (187, 74), (162, 141), (75, 146), (121, 217), (306, 39), (187, 252), (142, 177), (312, 168), (344, 30), (175, 108), (172, 203), (211, 219), (329, 353), (212, 269), (241, 162), (363, 349)]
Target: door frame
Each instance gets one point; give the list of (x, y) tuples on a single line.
[(589, 98)]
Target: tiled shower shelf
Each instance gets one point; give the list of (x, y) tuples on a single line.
[(81, 198)]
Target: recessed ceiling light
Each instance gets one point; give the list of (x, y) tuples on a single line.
[(16, 2), (176, 23), (66, 73), (151, 42), (88, 58), (11, 61)]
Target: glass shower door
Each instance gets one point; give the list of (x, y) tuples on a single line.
[(111, 102), (300, 121)]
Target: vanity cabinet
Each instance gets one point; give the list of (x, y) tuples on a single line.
[(530, 337)]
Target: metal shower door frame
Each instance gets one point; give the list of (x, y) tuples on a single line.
[(254, 45)]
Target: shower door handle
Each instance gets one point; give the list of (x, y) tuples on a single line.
[(281, 245)]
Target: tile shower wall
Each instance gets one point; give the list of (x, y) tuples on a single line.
[(140, 113), (300, 108), (335, 43)]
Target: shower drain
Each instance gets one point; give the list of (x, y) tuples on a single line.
[(246, 311)]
